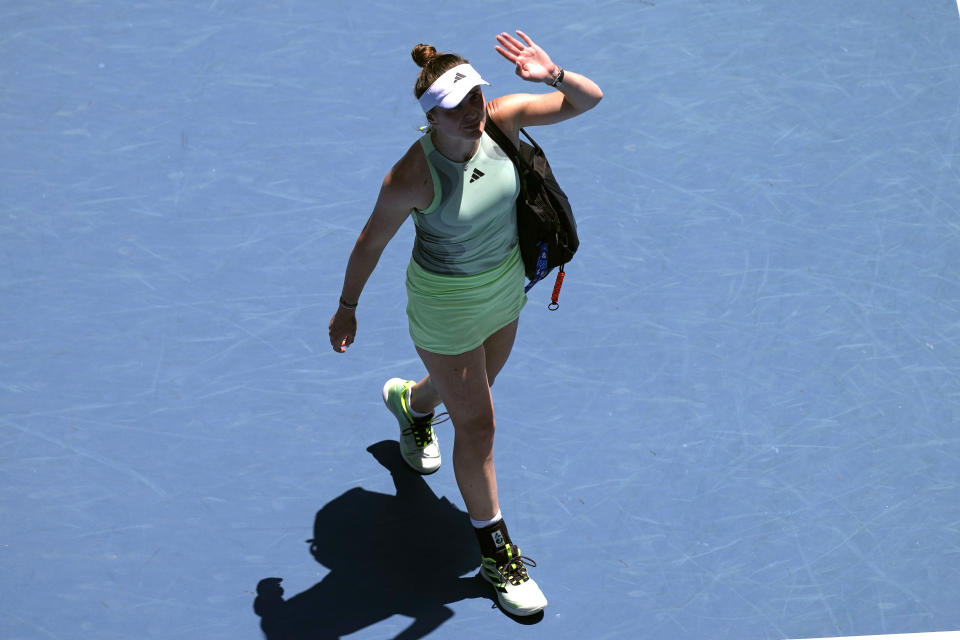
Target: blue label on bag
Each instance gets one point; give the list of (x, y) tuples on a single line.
[(541, 271)]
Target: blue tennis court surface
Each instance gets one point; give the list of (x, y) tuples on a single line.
[(741, 424)]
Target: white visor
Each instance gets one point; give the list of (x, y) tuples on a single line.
[(451, 88)]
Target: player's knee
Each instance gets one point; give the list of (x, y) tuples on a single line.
[(476, 432)]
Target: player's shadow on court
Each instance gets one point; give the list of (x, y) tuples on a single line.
[(387, 555)]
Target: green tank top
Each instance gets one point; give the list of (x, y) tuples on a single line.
[(471, 225)]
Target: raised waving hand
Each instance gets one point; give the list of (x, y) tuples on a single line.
[(532, 62)]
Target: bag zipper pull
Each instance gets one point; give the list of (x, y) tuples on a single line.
[(554, 299)]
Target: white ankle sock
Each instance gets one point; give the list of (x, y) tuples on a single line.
[(480, 524), (414, 413)]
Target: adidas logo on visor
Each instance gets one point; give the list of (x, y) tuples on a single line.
[(457, 78)]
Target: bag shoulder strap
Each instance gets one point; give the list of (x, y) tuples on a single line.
[(504, 143)]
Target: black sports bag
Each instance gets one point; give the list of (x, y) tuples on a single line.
[(545, 223)]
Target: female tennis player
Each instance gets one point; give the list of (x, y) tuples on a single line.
[(465, 279)]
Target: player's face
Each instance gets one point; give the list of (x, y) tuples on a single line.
[(466, 120)]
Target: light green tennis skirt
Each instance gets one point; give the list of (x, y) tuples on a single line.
[(450, 315)]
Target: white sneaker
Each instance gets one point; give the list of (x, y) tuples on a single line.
[(517, 592), (418, 442)]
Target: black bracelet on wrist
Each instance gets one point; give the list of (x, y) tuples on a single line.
[(346, 305), (559, 79)]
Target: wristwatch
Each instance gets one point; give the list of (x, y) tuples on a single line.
[(558, 80)]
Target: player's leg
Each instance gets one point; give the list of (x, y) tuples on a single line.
[(463, 383)]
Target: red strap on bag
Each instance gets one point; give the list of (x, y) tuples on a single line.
[(554, 299)]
